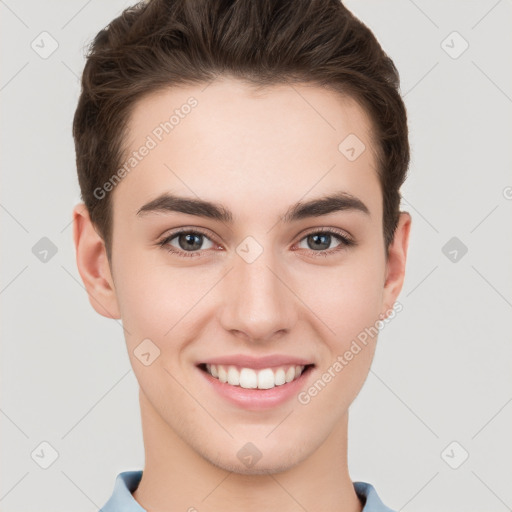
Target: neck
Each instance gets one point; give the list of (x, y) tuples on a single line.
[(176, 477)]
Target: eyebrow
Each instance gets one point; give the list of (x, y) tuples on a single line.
[(339, 201)]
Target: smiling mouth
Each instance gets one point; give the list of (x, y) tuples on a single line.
[(249, 378)]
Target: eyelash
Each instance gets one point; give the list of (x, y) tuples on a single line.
[(345, 242)]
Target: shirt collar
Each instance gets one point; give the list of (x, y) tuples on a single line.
[(127, 481), (122, 499), (369, 497)]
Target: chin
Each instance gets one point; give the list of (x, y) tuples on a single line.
[(264, 466)]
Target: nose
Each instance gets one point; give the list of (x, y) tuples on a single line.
[(259, 303)]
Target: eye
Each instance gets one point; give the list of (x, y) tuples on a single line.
[(188, 242), (321, 240)]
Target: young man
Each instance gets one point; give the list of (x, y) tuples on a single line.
[(240, 165)]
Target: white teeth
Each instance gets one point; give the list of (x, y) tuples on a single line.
[(266, 379), (248, 378), (280, 377), (233, 376), (223, 376), (290, 374)]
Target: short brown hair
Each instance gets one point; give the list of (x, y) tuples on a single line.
[(160, 43)]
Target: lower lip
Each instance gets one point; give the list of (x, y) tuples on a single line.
[(257, 399)]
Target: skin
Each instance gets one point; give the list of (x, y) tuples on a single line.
[(256, 152)]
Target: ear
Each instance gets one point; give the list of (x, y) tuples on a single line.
[(93, 265), (395, 266)]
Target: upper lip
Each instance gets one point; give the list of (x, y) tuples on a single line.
[(245, 361)]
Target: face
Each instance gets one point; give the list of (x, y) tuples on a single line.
[(269, 286)]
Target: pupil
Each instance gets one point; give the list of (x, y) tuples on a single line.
[(190, 240), (317, 243)]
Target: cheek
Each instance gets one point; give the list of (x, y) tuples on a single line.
[(161, 303), (152, 302), (155, 311), (347, 298), (350, 310)]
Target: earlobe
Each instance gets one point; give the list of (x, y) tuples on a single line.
[(395, 266), (93, 265)]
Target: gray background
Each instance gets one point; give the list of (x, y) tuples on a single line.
[(442, 368)]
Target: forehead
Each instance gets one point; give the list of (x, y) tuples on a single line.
[(233, 143)]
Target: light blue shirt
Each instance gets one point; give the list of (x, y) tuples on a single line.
[(127, 481)]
